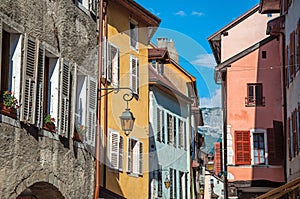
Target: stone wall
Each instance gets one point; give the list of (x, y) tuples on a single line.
[(26, 157)]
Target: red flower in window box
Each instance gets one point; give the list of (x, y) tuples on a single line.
[(49, 123), (9, 104)]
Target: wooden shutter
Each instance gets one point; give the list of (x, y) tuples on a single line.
[(287, 81), (1, 29), (298, 44), (292, 55), (104, 57), (175, 130), (171, 183), (242, 148), (63, 125), (114, 150), (170, 128), (162, 125), (40, 87), (160, 176), (289, 138), (184, 136), (92, 111), (279, 143), (129, 154), (158, 124), (121, 154), (175, 183), (116, 68), (29, 77), (181, 132), (140, 158), (271, 147), (133, 74), (109, 62), (294, 132)]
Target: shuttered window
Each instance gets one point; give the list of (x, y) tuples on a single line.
[(160, 181), (63, 125), (116, 149), (298, 45), (242, 148), (287, 74), (29, 86), (294, 131), (134, 79), (259, 148), (292, 56), (133, 27), (175, 131), (181, 134), (158, 124), (288, 127), (40, 87), (171, 172), (170, 128), (135, 157), (92, 107), (113, 65)]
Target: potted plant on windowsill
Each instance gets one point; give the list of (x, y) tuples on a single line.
[(49, 123), (79, 132), (9, 104)]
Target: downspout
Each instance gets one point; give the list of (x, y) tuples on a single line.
[(224, 100), (98, 141), (105, 94)]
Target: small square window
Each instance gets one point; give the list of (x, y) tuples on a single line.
[(264, 54)]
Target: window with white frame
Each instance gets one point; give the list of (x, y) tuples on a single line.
[(85, 109), (90, 5), (111, 63), (116, 150), (135, 156), (10, 60), (259, 147), (134, 74), (133, 27)]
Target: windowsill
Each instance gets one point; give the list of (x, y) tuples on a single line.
[(9, 120), (49, 134), (255, 105), (135, 175)]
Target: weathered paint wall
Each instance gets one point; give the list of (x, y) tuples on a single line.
[(123, 183), (292, 93), (253, 69), (244, 35), (27, 156)]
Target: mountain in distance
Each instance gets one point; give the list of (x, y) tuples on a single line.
[(213, 127)]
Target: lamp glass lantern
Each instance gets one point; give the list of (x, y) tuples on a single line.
[(167, 183), (127, 121), (210, 166)]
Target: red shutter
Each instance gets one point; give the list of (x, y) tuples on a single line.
[(292, 56), (289, 138), (271, 146), (298, 44), (286, 67), (295, 140), (278, 142), (242, 148)]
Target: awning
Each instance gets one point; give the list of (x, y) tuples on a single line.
[(282, 190)]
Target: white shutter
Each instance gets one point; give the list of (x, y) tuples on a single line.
[(109, 62), (121, 154), (181, 134), (136, 157), (158, 124), (114, 150), (133, 74), (29, 86), (40, 87), (129, 161), (63, 125), (116, 68), (92, 111), (162, 125), (140, 158), (104, 56)]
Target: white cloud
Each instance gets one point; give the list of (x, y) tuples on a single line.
[(197, 13), (180, 13), (205, 60), (214, 101)]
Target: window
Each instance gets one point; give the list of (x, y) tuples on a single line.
[(10, 61), (153, 63), (175, 131), (255, 95), (90, 5), (182, 134), (86, 103), (133, 27), (292, 57), (242, 148), (116, 150), (170, 128), (259, 148), (264, 54), (269, 15), (173, 183), (134, 75), (160, 181), (160, 125), (111, 63), (135, 157)]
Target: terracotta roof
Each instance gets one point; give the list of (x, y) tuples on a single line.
[(158, 53)]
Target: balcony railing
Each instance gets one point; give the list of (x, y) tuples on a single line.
[(250, 101)]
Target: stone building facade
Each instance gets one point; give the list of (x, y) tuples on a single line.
[(61, 38)]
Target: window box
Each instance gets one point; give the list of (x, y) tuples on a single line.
[(9, 111), (49, 127)]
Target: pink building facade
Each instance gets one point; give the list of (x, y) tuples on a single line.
[(251, 77)]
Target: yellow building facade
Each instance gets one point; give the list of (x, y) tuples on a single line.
[(127, 30)]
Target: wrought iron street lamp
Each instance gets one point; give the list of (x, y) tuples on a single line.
[(127, 118)]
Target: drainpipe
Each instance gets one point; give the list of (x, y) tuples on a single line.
[(105, 93), (98, 141)]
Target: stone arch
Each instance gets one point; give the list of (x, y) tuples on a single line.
[(41, 190)]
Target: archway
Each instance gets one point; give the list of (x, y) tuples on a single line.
[(41, 190)]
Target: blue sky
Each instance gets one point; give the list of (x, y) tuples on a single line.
[(189, 23)]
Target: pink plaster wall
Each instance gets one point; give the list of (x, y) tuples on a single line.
[(253, 69)]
